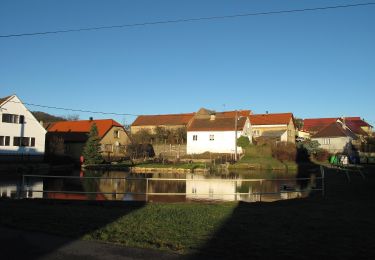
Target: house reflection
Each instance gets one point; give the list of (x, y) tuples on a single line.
[(13, 189)]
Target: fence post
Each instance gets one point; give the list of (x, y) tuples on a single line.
[(22, 187), (146, 189), (323, 179), (261, 190)]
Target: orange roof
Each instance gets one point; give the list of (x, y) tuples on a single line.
[(271, 119), (233, 113), (169, 119), (219, 124), (103, 125)]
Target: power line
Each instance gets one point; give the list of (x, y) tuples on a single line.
[(187, 20), (74, 110)]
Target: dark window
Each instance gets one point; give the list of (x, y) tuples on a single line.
[(7, 118), (22, 119), (7, 140), (16, 141), (2, 139), (25, 141), (32, 143), (10, 118)]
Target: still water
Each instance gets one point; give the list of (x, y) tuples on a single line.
[(247, 185)]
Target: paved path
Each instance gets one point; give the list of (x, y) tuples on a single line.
[(18, 244)]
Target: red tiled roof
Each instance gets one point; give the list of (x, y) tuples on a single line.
[(103, 126), (170, 119), (271, 119), (232, 114), (335, 129), (219, 124), (317, 124)]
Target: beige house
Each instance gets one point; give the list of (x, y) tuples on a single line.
[(169, 121), (69, 138), (277, 127)]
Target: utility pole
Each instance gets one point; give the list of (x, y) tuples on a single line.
[(235, 137)]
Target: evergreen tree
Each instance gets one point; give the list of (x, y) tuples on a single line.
[(91, 151)]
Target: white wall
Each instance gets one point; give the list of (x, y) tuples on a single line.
[(31, 128), (336, 144), (224, 141), (210, 189)]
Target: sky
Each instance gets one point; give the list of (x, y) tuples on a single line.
[(314, 64)]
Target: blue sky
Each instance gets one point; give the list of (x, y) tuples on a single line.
[(314, 64)]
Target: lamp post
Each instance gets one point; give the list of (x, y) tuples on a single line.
[(235, 136)]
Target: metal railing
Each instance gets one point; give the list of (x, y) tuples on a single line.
[(286, 189)]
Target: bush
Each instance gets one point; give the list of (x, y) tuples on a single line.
[(141, 150), (243, 141), (284, 151), (321, 155)]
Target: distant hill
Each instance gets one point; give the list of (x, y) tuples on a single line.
[(46, 118)]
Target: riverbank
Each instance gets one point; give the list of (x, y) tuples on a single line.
[(149, 167), (339, 224)]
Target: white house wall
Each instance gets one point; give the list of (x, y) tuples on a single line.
[(336, 144), (31, 128), (224, 142)]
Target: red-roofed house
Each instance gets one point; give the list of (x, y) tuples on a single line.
[(169, 121), (335, 137), (278, 127), (74, 134)]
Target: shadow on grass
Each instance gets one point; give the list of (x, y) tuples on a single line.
[(339, 225), (79, 218)]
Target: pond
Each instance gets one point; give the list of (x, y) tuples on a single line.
[(250, 186)]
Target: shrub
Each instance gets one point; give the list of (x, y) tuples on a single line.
[(284, 151), (321, 155), (243, 141)]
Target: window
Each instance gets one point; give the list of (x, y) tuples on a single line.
[(22, 141), (11, 118), (2, 140), (7, 140), (116, 134), (16, 141), (256, 132), (25, 141), (326, 141), (212, 137), (195, 137)]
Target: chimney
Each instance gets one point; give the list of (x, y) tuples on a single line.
[(212, 117), (267, 112), (90, 118)]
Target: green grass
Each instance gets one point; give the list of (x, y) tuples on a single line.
[(176, 166), (340, 224), (260, 157)]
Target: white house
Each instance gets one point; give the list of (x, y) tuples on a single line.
[(216, 133), (335, 138), (20, 132)]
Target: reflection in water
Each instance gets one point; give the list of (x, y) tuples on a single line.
[(167, 187), (13, 189)]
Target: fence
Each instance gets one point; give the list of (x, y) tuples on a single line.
[(229, 189)]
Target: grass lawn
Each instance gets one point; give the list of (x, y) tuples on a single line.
[(260, 157), (340, 225), (177, 165)]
